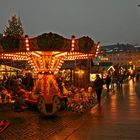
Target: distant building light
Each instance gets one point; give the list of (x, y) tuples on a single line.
[(104, 59)]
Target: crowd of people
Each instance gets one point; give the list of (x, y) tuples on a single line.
[(13, 81), (15, 88), (109, 82)]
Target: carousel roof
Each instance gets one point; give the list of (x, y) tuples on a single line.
[(47, 52), (47, 42)]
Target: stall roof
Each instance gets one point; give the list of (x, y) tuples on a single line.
[(16, 64), (103, 66), (105, 63)]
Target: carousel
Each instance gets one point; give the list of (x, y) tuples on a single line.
[(46, 53)]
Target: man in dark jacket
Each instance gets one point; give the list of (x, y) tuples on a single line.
[(98, 86)]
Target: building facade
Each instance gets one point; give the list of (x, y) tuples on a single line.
[(125, 58), (119, 54)]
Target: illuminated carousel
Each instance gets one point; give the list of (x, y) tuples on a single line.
[(45, 54)]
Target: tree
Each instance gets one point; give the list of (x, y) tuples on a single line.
[(14, 29)]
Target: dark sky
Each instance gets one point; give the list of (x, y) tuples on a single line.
[(107, 21)]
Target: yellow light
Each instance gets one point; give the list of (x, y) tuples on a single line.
[(27, 49), (26, 41), (33, 53), (98, 46), (73, 41)]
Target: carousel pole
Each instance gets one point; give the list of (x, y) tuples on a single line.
[(90, 59), (72, 50)]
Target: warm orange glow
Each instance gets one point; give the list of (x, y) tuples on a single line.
[(27, 44), (52, 61), (98, 46), (72, 43), (26, 41)]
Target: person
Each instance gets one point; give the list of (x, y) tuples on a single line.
[(98, 87), (28, 81), (120, 80), (113, 81), (137, 77), (59, 80), (107, 82)]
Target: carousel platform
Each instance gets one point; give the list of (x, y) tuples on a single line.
[(31, 104)]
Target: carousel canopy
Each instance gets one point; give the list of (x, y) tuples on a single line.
[(47, 42), (47, 52)]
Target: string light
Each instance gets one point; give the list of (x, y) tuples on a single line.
[(72, 43), (37, 59)]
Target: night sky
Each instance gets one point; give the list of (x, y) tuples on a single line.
[(107, 21)]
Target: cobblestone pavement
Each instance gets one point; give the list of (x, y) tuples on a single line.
[(31, 125)]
